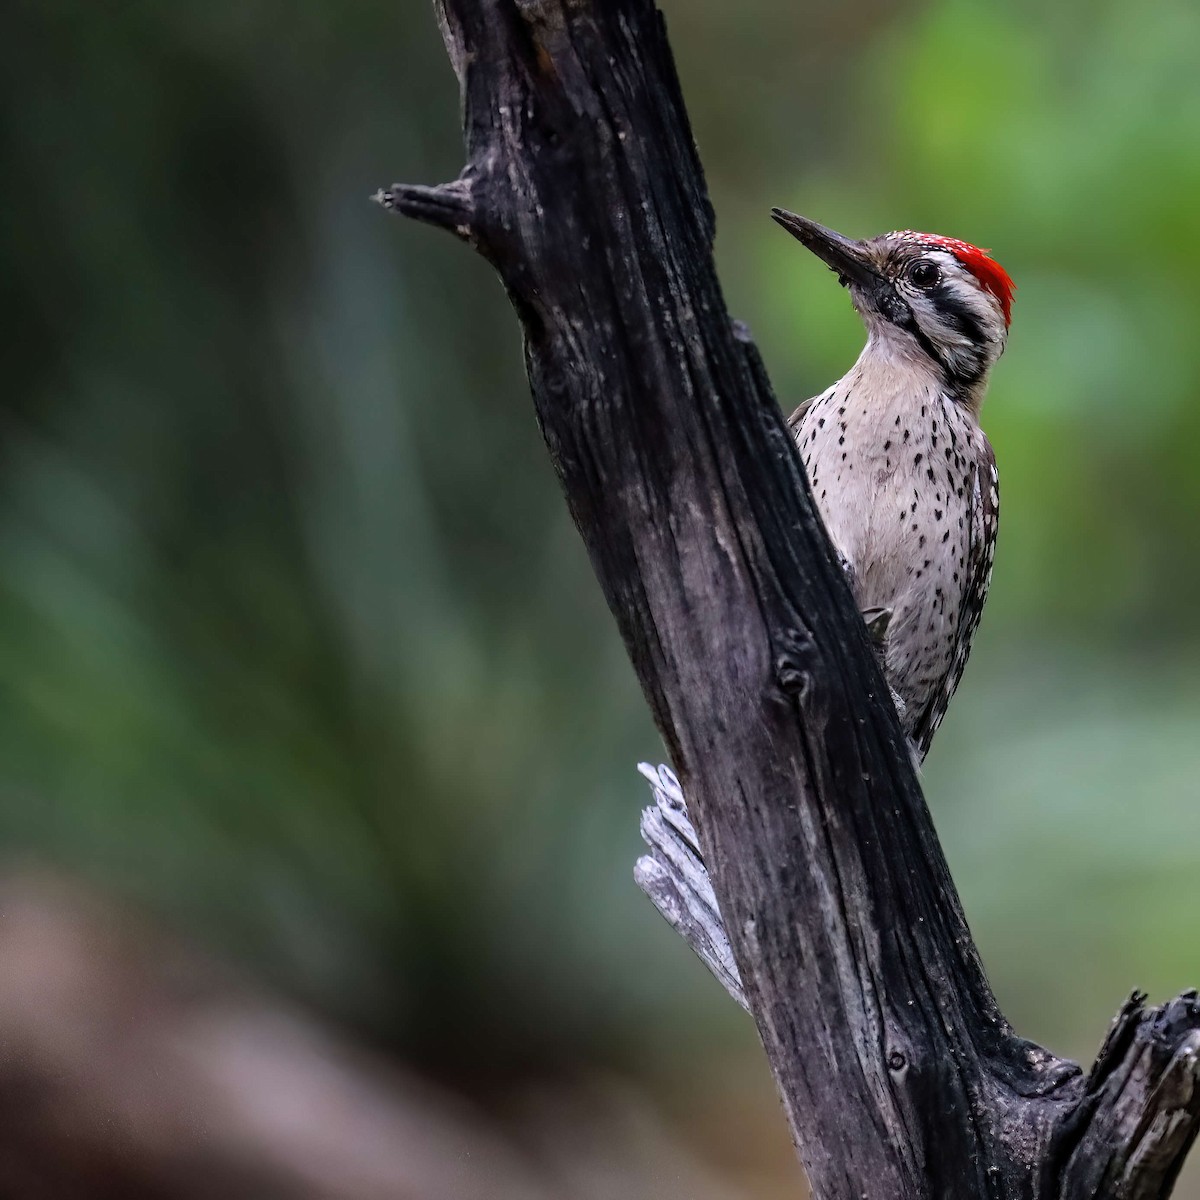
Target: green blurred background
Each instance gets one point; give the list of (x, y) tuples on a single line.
[(300, 651)]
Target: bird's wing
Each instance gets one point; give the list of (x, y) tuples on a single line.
[(981, 551), (798, 416)]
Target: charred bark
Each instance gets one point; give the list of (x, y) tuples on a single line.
[(899, 1075)]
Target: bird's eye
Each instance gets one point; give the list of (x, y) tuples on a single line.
[(923, 274)]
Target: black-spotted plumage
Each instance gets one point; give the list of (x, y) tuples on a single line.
[(902, 473), (984, 517)]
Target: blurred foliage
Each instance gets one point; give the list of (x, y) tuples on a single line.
[(299, 646)]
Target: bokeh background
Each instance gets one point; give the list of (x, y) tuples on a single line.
[(302, 666)]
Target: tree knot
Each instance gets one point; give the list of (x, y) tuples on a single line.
[(795, 663)]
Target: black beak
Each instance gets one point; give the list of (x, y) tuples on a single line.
[(848, 258)]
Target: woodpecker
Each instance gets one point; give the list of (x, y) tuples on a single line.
[(902, 474)]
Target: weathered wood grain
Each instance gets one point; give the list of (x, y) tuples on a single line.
[(899, 1075)]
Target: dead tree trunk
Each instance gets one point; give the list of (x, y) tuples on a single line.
[(899, 1075)]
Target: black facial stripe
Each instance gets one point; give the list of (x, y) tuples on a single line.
[(897, 310), (927, 345), (960, 317), (958, 314)]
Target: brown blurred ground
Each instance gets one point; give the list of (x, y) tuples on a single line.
[(131, 1068)]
